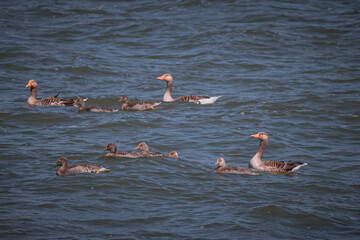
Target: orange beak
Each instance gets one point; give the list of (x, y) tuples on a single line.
[(28, 85), (255, 135), (137, 148), (161, 78)]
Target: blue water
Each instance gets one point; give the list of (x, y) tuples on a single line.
[(284, 67)]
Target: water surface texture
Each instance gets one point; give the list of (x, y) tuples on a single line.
[(290, 68)]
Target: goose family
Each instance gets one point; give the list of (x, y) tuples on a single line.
[(255, 165)]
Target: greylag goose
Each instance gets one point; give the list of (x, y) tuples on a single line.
[(271, 166), (145, 151), (83, 167), (138, 105), (80, 104), (188, 98), (222, 168), (49, 101), (123, 154)]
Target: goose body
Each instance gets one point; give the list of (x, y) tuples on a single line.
[(146, 152), (80, 104), (223, 168), (207, 100), (83, 167), (271, 166), (187, 98), (138, 105), (123, 154), (49, 101)]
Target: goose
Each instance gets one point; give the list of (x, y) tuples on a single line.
[(137, 105), (271, 166), (83, 167), (187, 98), (145, 151), (80, 104), (223, 168), (48, 101), (123, 154)]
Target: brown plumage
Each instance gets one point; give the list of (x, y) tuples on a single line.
[(138, 105), (123, 154), (146, 152), (49, 101), (271, 166), (83, 167), (223, 168), (187, 98), (80, 103)]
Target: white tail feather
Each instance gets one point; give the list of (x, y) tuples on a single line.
[(207, 100)]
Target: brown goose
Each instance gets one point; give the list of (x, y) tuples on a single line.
[(188, 98), (124, 154), (49, 101), (222, 168), (83, 167), (138, 105), (80, 103), (145, 151), (271, 166)]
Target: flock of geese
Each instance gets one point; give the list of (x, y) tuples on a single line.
[(255, 165)]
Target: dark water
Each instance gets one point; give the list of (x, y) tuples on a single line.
[(283, 67)]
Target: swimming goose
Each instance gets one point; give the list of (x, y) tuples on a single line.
[(138, 105), (188, 98), (83, 167), (124, 154), (145, 151), (271, 166), (222, 168), (49, 101), (80, 104)]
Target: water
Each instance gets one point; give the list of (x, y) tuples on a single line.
[(283, 67)]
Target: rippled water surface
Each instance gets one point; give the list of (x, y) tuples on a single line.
[(284, 67)]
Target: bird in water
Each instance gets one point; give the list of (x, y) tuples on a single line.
[(80, 104), (187, 98), (138, 105), (145, 151), (271, 166), (223, 168), (83, 167), (123, 154), (48, 101)]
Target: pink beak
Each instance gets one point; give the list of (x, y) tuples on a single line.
[(255, 135)]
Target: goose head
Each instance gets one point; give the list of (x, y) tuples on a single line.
[(263, 136), (111, 146), (220, 162), (32, 83), (166, 77)]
